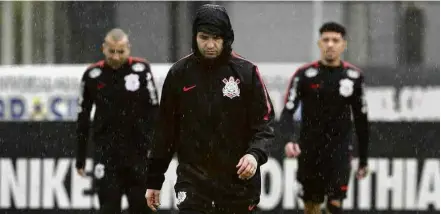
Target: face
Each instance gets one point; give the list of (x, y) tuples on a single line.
[(210, 46), (116, 53), (331, 45)]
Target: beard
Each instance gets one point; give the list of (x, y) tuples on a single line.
[(115, 64)]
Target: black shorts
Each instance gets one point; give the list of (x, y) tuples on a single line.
[(320, 181), (189, 201), (112, 182)]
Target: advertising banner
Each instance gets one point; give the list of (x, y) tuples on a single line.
[(38, 173), (50, 93)]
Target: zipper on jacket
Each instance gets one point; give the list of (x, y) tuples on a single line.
[(210, 89), (210, 100)]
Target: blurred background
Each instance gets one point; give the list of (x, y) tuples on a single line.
[(46, 46), (380, 33)]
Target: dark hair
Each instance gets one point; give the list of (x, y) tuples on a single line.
[(333, 27)]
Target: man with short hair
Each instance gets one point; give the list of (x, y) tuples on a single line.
[(330, 92), (216, 114), (124, 94)]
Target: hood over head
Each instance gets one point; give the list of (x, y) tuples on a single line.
[(213, 19)]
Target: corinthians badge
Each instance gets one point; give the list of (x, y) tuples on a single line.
[(231, 88)]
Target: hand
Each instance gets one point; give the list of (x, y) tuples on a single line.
[(81, 172), (362, 172), (152, 197), (247, 167), (292, 150)]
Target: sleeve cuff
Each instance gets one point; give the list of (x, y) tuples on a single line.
[(155, 173), (294, 138), (155, 182), (260, 160), (362, 163), (79, 164), (255, 156)]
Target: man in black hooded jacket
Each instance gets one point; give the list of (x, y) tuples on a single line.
[(216, 114)]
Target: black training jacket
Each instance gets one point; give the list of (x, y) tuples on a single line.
[(211, 116), (126, 104), (331, 100)]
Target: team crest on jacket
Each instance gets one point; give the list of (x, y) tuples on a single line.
[(346, 87), (311, 72), (353, 74), (132, 82), (231, 88), (94, 73), (181, 197)]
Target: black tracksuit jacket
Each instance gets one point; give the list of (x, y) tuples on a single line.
[(126, 105), (211, 115), (331, 99)]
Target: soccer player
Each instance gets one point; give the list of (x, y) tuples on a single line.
[(216, 114), (330, 93), (123, 91)]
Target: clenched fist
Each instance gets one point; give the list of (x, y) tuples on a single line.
[(292, 150), (247, 167), (152, 197), (362, 172)]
